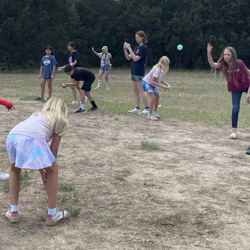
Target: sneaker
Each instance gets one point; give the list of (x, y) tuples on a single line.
[(39, 99), (248, 150), (157, 116), (107, 88), (60, 215), (83, 111), (13, 217), (4, 177), (145, 111), (233, 136), (153, 118), (97, 87), (135, 110), (94, 108), (74, 102)]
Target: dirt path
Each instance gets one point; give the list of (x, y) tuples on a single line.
[(191, 193)]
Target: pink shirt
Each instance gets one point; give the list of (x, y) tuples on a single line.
[(154, 72), (36, 127), (241, 77)]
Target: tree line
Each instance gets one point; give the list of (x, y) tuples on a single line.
[(28, 26)]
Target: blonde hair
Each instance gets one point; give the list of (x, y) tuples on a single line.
[(56, 112), (163, 64)]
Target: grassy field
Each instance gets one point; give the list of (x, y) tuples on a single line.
[(196, 96)]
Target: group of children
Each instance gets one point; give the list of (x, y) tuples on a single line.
[(27, 143)]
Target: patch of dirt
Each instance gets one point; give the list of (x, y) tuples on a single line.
[(191, 193)]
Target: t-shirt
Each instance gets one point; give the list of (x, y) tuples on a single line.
[(104, 58), (36, 127), (48, 63), (241, 77), (74, 56), (138, 68), (156, 73), (82, 74)]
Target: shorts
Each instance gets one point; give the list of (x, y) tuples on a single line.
[(105, 67), (136, 78), (27, 152), (87, 84), (146, 87)]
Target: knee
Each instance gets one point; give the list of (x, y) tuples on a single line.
[(235, 109), (52, 169)]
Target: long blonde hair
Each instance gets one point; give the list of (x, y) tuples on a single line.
[(163, 64), (56, 112)]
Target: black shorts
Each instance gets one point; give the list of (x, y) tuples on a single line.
[(87, 84)]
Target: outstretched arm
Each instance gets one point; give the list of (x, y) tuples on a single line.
[(209, 57), (92, 48)]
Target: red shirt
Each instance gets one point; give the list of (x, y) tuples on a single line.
[(241, 77)]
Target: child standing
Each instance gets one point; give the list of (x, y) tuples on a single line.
[(27, 148), (74, 61), (138, 57), (9, 105), (151, 83), (237, 75), (105, 66), (77, 75), (47, 72)]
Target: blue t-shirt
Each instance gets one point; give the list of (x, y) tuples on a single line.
[(48, 63), (138, 68)]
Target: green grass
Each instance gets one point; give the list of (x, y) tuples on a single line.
[(146, 145), (121, 175), (195, 96), (66, 187)]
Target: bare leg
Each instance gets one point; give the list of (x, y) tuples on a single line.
[(89, 96), (73, 92), (136, 94), (152, 102), (52, 184), (14, 184), (157, 98), (142, 93), (43, 87), (49, 81)]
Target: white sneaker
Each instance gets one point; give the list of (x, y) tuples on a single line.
[(233, 136), (74, 102), (97, 87), (4, 177), (135, 110), (153, 118), (60, 215), (144, 112)]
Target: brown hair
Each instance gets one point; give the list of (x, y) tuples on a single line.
[(142, 34)]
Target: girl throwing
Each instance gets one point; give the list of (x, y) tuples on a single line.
[(237, 75), (151, 84), (27, 148), (105, 66), (47, 71), (138, 57)]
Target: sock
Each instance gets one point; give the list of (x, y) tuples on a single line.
[(137, 108), (99, 83), (93, 104), (147, 108), (14, 208), (82, 106), (107, 84), (154, 112), (150, 114), (52, 211)]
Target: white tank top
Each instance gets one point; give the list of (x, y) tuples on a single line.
[(36, 127)]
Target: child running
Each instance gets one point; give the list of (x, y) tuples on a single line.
[(9, 105), (77, 75), (27, 148), (105, 66), (47, 72), (151, 83), (74, 61)]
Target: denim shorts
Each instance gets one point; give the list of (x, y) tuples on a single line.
[(149, 88), (105, 67), (27, 152), (136, 78)]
